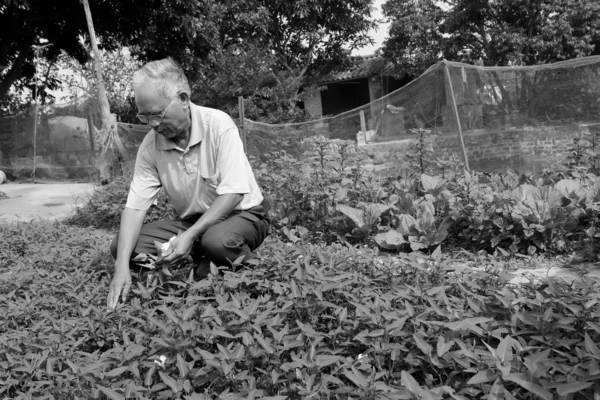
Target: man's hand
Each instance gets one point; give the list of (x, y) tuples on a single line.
[(121, 282), (178, 250)]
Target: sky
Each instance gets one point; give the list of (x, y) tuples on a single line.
[(378, 34)]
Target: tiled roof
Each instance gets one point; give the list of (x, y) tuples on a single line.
[(365, 66)]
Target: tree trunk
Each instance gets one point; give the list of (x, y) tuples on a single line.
[(108, 132)]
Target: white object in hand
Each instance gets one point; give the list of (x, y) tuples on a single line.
[(165, 246), (2, 177)]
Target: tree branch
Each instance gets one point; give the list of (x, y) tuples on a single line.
[(16, 71), (4, 47)]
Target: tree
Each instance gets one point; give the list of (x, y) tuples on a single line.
[(62, 24), (118, 67), (499, 32), (215, 41), (294, 39)]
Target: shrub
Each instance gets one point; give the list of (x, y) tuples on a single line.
[(104, 208)]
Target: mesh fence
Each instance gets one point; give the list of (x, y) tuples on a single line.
[(64, 139), (483, 98), (60, 136)]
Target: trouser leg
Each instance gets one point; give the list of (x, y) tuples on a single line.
[(236, 236)]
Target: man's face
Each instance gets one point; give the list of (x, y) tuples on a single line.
[(168, 117)]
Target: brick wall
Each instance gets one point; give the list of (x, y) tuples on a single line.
[(524, 150)]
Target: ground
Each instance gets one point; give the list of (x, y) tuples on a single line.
[(34, 201)]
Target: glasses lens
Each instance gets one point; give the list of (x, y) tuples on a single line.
[(143, 118)]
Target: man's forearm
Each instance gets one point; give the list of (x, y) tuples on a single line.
[(218, 211), (131, 225)]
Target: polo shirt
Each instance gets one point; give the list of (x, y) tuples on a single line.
[(212, 164)]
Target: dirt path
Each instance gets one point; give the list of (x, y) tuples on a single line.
[(29, 201)]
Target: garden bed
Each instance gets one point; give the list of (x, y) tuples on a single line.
[(405, 287)]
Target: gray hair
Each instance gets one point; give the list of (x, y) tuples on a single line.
[(166, 74)]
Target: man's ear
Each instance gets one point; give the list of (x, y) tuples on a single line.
[(185, 100)]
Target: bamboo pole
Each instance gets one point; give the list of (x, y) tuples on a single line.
[(242, 118), (455, 109), (37, 50)]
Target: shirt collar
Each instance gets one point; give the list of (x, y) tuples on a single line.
[(196, 135)]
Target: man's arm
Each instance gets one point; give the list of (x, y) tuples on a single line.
[(129, 231), (220, 209)]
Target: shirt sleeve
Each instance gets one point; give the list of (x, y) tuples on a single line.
[(233, 168), (146, 183)]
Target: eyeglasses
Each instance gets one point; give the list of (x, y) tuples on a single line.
[(156, 117)]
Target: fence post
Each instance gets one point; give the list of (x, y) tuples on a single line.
[(455, 108), (242, 118), (363, 123), (37, 50)]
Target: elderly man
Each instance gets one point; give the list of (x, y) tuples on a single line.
[(196, 155)]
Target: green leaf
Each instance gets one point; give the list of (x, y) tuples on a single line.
[(265, 345), (182, 366), (407, 380), (567, 186), (422, 344), (343, 314), (431, 182), (239, 352), (575, 387), (356, 215), (389, 240), (325, 360), (497, 391), (197, 396), (149, 375), (170, 382), (487, 375), (116, 372), (406, 224), (356, 377), (519, 379), (504, 350), (591, 347), (111, 393), (443, 347)]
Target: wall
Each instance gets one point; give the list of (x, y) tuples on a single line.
[(313, 105), (524, 150)]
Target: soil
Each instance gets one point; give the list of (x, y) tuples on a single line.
[(36, 201)]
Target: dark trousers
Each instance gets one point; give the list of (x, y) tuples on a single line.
[(237, 235)]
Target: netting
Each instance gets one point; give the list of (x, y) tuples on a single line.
[(66, 144), (65, 141), (484, 98), (60, 136)]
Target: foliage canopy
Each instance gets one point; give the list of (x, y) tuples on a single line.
[(497, 32)]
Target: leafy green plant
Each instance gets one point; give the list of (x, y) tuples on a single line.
[(312, 321), (104, 207), (304, 194)]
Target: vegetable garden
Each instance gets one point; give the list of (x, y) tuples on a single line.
[(369, 287)]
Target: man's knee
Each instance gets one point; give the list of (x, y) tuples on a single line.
[(221, 247), (113, 246)]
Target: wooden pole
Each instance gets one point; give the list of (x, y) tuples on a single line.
[(35, 113), (456, 116), (242, 118), (37, 50)]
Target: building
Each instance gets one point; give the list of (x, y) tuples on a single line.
[(370, 78)]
